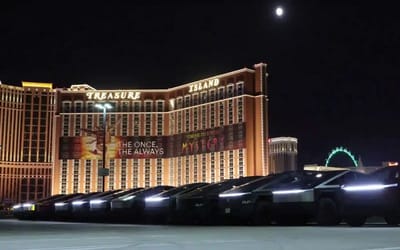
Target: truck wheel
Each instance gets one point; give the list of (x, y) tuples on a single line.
[(393, 220), (356, 221), (327, 212), (261, 214)]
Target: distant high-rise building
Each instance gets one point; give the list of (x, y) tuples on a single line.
[(282, 154), (26, 140)]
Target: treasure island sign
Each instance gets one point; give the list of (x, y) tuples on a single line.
[(203, 85), (112, 95)]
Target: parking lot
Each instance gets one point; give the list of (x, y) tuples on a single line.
[(35, 235)]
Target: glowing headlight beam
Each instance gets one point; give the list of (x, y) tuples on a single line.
[(16, 206), (60, 204), (130, 197), (78, 203), (369, 187), (232, 194), (156, 199), (292, 191), (27, 204), (97, 201)]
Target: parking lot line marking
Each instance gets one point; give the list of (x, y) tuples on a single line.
[(83, 247), (384, 248)]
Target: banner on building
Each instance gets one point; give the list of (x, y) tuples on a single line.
[(90, 147)]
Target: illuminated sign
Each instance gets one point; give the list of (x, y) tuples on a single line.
[(229, 137), (139, 149), (118, 147), (113, 95), (37, 85), (203, 85)]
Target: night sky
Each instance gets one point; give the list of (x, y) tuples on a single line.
[(333, 65)]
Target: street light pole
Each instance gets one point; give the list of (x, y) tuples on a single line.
[(103, 171)]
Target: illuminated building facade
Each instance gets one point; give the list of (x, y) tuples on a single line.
[(204, 131), (26, 140), (282, 154)]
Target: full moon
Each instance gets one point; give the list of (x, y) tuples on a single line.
[(279, 11)]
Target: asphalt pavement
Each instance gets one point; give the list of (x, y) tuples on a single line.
[(38, 235)]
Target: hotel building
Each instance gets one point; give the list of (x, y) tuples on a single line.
[(282, 154), (204, 131), (26, 141)]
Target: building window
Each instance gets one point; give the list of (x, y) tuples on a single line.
[(231, 164), (172, 124), (159, 172), (203, 167), (160, 123), (230, 90), (88, 167), (78, 107), (203, 117), (179, 125), (136, 125), (123, 173), (100, 121), (148, 125), (195, 119), (230, 110), (160, 106), (179, 166), (241, 163), (125, 106), (204, 97), (187, 101), (100, 178), (78, 125), (111, 181), (171, 172), (187, 169), (195, 168), (240, 109), (136, 106), (114, 106), (221, 114), (66, 107), (240, 88), (187, 120), (147, 173), (65, 125), (212, 95), (112, 124), (221, 93), (195, 99), (179, 103), (221, 166), (135, 173), (148, 106), (64, 174), (212, 167), (212, 116), (89, 124), (76, 177), (124, 125)]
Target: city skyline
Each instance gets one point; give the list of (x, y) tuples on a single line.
[(333, 78), (193, 132)]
